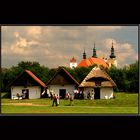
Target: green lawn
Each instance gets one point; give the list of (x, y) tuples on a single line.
[(123, 103)]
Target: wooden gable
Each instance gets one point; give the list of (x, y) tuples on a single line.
[(62, 77), (59, 79), (27, 78)]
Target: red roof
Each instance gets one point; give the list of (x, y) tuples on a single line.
[(90, 61), (35, 78), (84, 63), (73, 60), (97, 61)]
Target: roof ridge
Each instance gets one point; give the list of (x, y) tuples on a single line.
[(92, 73), (35, 77), (58, 70)]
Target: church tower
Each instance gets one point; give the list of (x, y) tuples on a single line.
[(112, 60), (73, 63), (84, 55), (94, 52), (112, 52)]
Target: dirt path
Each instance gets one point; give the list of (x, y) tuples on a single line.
[(23, 104), (31, 104)]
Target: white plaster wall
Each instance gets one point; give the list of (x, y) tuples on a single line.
[(34, 92), (115, 63), (73, 65), (103, 92), (106, 92), (56, 88)]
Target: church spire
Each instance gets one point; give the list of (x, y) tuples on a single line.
[(112, 52), (94, 52), (84, 54)]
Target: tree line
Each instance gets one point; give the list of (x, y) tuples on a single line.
[(126, 78)]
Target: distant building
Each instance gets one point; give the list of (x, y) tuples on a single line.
[(106, 63), (112, 60), (73, 63)]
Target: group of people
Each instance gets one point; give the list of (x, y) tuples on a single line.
[(71, 96), (56, 98), (89, 95), (21, 96)]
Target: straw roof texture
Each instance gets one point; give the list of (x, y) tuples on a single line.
[(95, 74)]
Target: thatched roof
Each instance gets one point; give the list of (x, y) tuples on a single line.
[(97, 74)]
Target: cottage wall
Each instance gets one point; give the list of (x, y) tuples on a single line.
[(108, 92), (34, 91), (56, 88), (73, 65)]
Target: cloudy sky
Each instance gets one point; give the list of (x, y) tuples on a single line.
[(54, 46)]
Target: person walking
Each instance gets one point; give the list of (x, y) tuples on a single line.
[(54, 100), (71, 99), (67, 95)]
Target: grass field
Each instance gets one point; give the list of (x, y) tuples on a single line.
[(124, 103)]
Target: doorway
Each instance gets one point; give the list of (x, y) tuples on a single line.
[(62, 93), (97, 93), (25, 93)]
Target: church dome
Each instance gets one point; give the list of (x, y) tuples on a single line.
[(97, 61), (91, 61), (84, 63)]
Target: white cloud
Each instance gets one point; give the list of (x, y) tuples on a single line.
[(22, 46), (79, 47), (124, 51), (56, 45), (34, 31), (16, 34)]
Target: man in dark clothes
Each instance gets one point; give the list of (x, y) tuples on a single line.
[(54, 100)]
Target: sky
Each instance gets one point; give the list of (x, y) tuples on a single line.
[(54, 46)]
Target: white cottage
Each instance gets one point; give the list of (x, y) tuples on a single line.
[(62, 82), (27, 86), (100, 82)]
